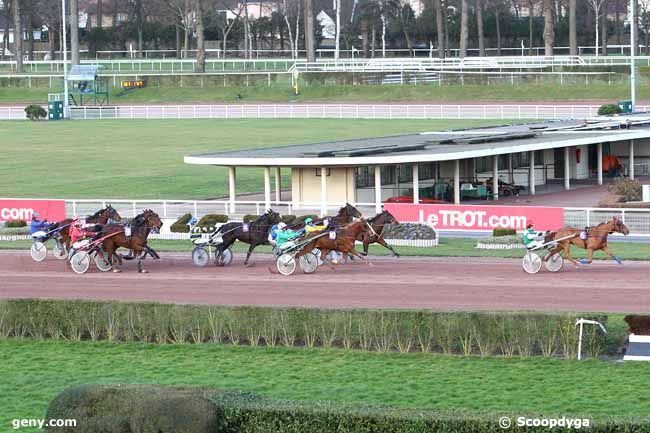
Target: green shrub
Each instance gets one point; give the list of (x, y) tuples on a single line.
[(376, 330), (156, 409), (211, 220), (288, 219), (15, 224), (180, 226), (609, 110), (135, 409), (8, 231), (630, 190), (35, 112), (250, 218), (504, 232)]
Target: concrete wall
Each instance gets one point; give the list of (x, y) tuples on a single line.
[(306, 186)]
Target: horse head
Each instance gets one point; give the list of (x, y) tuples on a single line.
[(272, 217), (618, 226), (111, 213), (148, 219), (389, 218), (351, 212)]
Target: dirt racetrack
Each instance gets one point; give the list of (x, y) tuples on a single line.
[(435, 283)]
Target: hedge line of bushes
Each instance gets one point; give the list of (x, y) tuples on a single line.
[(149, 409), (484, 333)]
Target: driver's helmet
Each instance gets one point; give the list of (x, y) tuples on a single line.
[(309, 221), (529, 224), (282, 225), (36, 216)]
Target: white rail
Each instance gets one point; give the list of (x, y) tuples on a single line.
[(326, 111)]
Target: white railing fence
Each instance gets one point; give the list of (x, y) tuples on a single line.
[(637, 220)]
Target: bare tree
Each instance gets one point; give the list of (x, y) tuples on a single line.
[(225, 25), (464, 31), (337, 43), (573, 39), (440, 27), (549, 29), (18, 36), (74, 31), (200, 37), (309, 31), (479, 28), (596, 6)]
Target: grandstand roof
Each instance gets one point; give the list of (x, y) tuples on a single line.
[(437, 145)]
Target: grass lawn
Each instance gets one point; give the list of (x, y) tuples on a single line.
[(143, 159), (449, 247), (282, 92), (35, 371)]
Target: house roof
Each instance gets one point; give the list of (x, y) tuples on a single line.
[(432, 146)]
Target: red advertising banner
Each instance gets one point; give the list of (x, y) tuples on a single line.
[(15, 209), (460, 217)]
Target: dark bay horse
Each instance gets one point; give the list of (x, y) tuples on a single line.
[(140, 228), (343, 242), (254, 233), (596, 240), (375, 230), (102, 216), (345, 216)]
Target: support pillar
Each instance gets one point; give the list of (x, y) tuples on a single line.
[(495, 177), (631, 169), (531, 172), (267, 188), (567, 168), (457, 181), (278, 185), (511, 173), (416, 182), (232, 188), (600, 163), (377, 189), (323, 191)]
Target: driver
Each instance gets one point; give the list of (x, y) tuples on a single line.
[(284, 234), (80, 230), (532, 239), (37, 224), (311, 227)]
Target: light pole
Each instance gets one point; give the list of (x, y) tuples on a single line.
[(632, 54), (66, 107)]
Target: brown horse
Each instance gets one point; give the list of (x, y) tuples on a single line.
[(140, 228), (596, 239), (375, 230), (343, 241), (345, 215), (102, 216)]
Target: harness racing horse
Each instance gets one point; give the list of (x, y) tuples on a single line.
[(254, 233), (343, 242), (101, 217), (140, 228), (596, 240), (345, 216), (374, 233)]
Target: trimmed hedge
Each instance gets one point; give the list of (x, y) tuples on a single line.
[(15, 224), (609, 110), (211, 220), (180, 226), (288, 219), (250, 218), (504, 232), (480, 333), (155, 409)]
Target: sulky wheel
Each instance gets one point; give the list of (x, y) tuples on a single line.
[(59, 251), (554, 263), (309, 263), (532, 263), (80, 262), (226, 257), (286, 264), (200, 256), (38, 251), (99, 257)]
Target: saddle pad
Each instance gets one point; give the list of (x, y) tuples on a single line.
[(127, 231), (245, 228), (583, 235), (332, 235)]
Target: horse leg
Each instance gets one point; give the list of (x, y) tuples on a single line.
[(248, 254), (110, 252), (611, 255), (323, 256), (590, 257), (356, 253), (141, 257), (567, 254), (385, 244)]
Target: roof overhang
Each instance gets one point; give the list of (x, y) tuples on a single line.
[(451, 155)]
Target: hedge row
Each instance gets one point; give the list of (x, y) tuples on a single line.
[(507, 334), (153, 409)]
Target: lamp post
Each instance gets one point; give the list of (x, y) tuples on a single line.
[(66, 107), (632, 54)]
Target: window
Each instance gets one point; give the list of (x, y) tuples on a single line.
[(318, 172), (405, 173), (364, 176)]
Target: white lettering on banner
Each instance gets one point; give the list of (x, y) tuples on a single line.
[(8, 214), (472, 219)]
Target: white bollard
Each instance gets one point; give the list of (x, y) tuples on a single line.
[(646, 193)]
